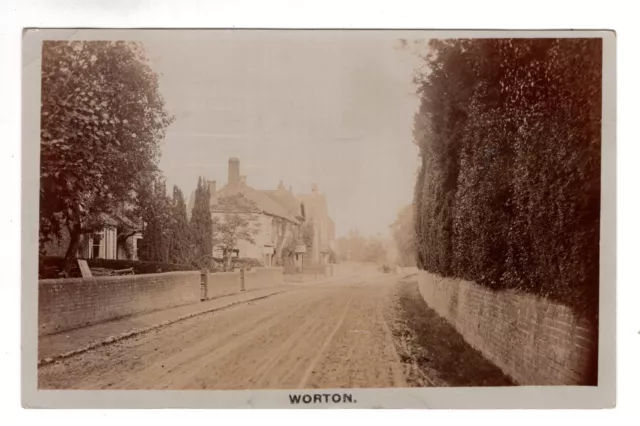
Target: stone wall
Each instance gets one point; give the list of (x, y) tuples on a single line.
[(65, 304), (533, 340)]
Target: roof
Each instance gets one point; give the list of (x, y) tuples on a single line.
[(287, 200), (119, 219), (264, 202)]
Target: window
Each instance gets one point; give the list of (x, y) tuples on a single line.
[(96, 243), (110, 243)]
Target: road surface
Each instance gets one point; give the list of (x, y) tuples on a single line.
[(330, 335)]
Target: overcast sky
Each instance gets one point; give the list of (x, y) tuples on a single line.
[(330, 108)]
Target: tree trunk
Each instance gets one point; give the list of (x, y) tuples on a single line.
[(75, 233)]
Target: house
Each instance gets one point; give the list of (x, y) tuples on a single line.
[(118, 238), (280, 216), (317, 214), (278, 213)]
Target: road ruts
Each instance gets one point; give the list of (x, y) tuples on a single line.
[(329, 335)]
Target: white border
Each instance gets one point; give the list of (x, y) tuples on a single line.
[(601, 396)]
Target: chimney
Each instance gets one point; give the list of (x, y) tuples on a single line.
[(234, 172), (212, 187)]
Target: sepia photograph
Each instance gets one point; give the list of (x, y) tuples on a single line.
[(338, 215)]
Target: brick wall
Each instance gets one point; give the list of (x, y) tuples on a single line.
[(267, 277), (65, 304), (533, 340), (226, 283), (222, 284)]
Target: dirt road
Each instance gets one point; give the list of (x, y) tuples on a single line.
[(329, 335)]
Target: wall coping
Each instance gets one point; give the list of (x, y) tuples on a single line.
[(228, 273), (77, 280)]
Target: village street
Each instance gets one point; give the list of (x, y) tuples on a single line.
[(320, 335)]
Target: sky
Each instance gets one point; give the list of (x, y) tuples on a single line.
[(331, 108)]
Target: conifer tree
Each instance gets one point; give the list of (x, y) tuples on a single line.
[(180, 234), (156, 215), (201, 227)]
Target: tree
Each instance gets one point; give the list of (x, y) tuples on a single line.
[(155, 210), (353, 246), (201, 227), (179, 248), (102, 117), (375, 251), (239, 222), (308, 235), (404, 236)]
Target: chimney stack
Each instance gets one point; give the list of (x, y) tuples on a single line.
[(234, 172), (212, 187)]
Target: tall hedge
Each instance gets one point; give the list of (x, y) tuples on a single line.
[(508, 194)]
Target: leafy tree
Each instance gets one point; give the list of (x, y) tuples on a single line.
[(308, 235), (239, 222), (201, 227), (353, 246), (102, 117), (375, 251), (180, 244), (404, 236)]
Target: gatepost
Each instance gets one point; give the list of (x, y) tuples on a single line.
[(204, 281), (242, 278)]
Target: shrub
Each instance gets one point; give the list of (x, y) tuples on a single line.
[(52, 267)]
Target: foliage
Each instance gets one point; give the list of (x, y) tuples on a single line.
[(201, 227), (155, 211), (53, 267), (101, 119), (180, 243), (235, 225), (375, 251), (404, 236), (333, 256), (508, 194), (308, 234), (362, 249)]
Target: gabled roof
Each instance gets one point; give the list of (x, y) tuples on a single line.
[(287, 200), (262, 200)]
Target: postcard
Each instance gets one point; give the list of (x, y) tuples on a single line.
[(246, 218)]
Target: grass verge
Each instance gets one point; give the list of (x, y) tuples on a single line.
[(433, 352)]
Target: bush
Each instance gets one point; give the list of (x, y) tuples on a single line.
[(52, 267)]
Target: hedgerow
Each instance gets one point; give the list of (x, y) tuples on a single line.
[(508, 194)]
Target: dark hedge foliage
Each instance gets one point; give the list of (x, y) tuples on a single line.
[(508, 194), (51, 267)]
